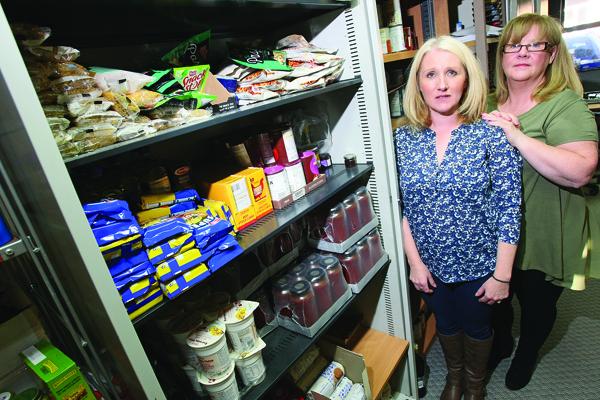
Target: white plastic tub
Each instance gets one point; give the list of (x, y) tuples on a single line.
[(210, 346), (241, 329), (223, 388), (251, 369)]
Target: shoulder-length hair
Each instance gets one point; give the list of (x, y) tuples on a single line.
[(474, 98), (560, 74)]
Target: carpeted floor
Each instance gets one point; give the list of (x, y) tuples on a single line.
[(569, 363)]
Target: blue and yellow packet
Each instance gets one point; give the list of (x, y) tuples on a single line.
[(139, 289), (164, 230), (172, 267), (150, 201), (133, 275), (106, 212), (121, 247), (178, 244), (185, 281), (144, 303), (165, 211), (207, 229), (221, 209), (119, 265), (227, 250), (116, 230)]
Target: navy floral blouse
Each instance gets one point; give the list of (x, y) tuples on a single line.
[(459, 210)]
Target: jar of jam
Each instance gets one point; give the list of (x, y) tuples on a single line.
[(364, 254), (352, 267), (367, 214), (304, 303), (350, 160), (375, 245), (316, 225), (298, 273), (281, 293), (352, 213), (325, 160), (335, 274), (320, 284), (337, 228), (312, 260)]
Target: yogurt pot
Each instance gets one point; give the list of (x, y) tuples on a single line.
[(210, 346), (250, 366), (241, 329), (223, 387), (165, 317), (192, 375), (213, 304)]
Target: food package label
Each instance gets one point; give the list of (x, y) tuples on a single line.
[(134, 274), (121, 247), (192, 78), (144, 303), (185, 281), (59, 375), (118, 265), (168, 249), (207, 229), (178, 264), (260, 195), (166, 199), (238, 311), (234, 192), (115, 231), (138, 289)]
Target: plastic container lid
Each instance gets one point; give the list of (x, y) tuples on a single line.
[(300, 287), (207, 335), (273, 170), (292, 163), (316, 274), (350, 157), (238, 311)]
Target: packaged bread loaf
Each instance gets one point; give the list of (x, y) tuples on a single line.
[(40, 83), (79, 107), (35, 68), (58, 124), (55, 110), (121, 104), (96, 142), (95, 118), (123, 81), (61, 137), (29, 34), (57, 70), (85, 132), (145, 99), (67, 84), (65, 98), (47, 97), (167, 112), (162, 124), (198, 115), (70, 149), (142, 119), (54, 53), (132, 131)]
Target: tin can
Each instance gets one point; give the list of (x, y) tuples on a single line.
[(285, 146), (295, 175), (397, 38), (241, 155), (384, 36)]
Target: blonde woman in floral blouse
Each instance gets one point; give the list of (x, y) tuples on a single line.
[(461, 188)]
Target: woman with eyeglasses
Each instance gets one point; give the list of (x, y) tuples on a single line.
[(538, 103)]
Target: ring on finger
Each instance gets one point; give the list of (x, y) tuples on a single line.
[(499, 301)]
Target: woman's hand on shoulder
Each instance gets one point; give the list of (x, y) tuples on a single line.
[(508, 122), (422, 278), (492, 291)]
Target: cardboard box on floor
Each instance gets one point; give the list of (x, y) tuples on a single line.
[(354, 364)]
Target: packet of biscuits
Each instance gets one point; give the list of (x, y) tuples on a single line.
[(258, 58)]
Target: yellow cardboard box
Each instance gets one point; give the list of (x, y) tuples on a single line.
[(257, 185), (234, 192)]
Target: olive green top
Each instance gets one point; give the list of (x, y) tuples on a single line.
[(556, 223)]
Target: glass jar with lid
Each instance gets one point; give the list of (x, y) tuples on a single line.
[(297, 273), (367, 214), (337, 227), (281, 292), (335, 274), (312, 260), (304, 303), (364, 254), (351, 262), (320, 284)]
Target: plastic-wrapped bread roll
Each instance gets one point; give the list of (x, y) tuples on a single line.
[(357, 392), (312, 373), (304, 363), (342, 390), (328, 381)]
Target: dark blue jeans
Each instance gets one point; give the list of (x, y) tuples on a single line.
[(456, 308)]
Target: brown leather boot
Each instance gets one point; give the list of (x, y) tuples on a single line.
[(477, 353), (453, 352)]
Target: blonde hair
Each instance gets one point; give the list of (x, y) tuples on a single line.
[(560, 74), (474, 98)]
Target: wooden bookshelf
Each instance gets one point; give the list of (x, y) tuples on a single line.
[(382, 354), (408, 54)]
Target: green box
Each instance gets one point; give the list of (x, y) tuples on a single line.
[(57, 373)]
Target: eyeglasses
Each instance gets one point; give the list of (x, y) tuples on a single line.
[(531, 47)]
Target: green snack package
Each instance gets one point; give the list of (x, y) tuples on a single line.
[(190, 100), (193, 51), (191, 78), (164, 82), (258, 58)]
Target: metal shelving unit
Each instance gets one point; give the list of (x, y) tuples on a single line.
[(338, 178)]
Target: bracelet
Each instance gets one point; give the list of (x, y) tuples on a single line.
[(494, 276)]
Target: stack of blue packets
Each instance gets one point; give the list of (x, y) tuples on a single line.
[(118, 236)]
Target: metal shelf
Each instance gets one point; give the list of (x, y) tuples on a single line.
[(338, 179), (285, 347), (12, 249), (214, 120)]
